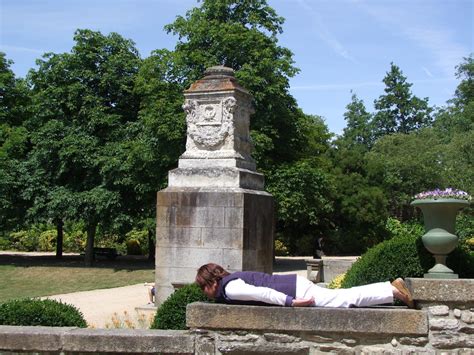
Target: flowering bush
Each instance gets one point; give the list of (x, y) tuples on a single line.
[(446, 193)]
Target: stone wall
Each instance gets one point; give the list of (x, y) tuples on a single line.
[(221, 329), (443, 324)]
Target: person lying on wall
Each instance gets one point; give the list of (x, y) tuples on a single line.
[(249, 287)]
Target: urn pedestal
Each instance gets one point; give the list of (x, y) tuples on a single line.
[(439, 219)]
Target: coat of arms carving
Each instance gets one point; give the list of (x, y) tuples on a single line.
[(210, 122)]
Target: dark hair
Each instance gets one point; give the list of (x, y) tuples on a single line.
[(209, 273)]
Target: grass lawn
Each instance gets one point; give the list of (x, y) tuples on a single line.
[(44, 275)]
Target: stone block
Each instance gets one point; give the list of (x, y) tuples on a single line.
[(230, 227), (144, 341), (56, 340), (15, 338), (334, 266), (449, 341), (415, 341), (443, 324), (172, 196), (179, 236), (226, 237), (439, 310), (187, 257), (467, 317), (233, 217), (454, 293), (280, 319)]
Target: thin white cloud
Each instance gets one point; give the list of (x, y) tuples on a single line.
[(7, 48), (427, 72), (349, 86), (343, 86), (325, 34), (439, 40)]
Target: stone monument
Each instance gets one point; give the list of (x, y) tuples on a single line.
[(214, 208)]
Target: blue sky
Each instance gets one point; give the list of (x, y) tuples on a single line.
[(339, 45)]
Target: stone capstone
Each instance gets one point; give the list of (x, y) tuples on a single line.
[(75, 340), (365, 321), (454, 293)]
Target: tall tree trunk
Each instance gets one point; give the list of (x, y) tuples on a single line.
[(89, 255), (59, 239), (151, 246)]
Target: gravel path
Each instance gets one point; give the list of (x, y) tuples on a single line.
[(106, 308)]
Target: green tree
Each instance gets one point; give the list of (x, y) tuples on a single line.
[(358, 130), (243, 35), (302, 192), (464, 94), (84, 105), (360, 208), (14, 145), (454, 125), (398, 110), (405, 164)]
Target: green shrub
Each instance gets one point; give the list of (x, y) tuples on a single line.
[(172, 313), (5, 243), (133, 247), (24, 240), (140, 239), (280, 248), (465, 225), (75, 241), (403, 256), (27, 312), (47, 240), (399, 229)]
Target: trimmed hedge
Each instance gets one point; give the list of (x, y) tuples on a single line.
[(33, 312), (403, 256), (172, 313)]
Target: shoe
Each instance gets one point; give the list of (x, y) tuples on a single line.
[(402, 287)]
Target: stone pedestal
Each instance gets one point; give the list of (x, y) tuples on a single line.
[(214, 209), (233, 228)]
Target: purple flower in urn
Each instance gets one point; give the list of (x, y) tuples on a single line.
[(446, 193)]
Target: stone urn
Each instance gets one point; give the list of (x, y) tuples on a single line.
[(439, 219)]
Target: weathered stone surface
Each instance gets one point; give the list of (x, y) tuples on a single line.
[(454, 293), (439, 310), (199, 197), (467, 317), (416, 341), (446, 341), (66, 340), (31, 338), (318, 338), (280, 338), (101, 340), (457, 313), (222, 177), (266, 349), (443, 324), (349, 342), (332, 267), (394, 342), (350, 321), (466, 329)]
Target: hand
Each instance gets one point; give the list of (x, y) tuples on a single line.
[(302, 302)]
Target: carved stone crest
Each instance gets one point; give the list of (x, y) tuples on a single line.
[(210, 122)]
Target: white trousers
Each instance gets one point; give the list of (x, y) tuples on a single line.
[(360, 296)]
